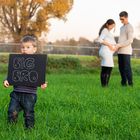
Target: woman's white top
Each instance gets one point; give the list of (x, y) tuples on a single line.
[(105, 53)]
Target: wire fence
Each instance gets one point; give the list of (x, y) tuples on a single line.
[(62, 49)]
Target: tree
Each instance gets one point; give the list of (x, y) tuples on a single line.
[(84, 41), (20, 17), (72, 42)]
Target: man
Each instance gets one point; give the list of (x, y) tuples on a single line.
[(125, 50)]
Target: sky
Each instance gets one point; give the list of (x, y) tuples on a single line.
[(87, 16)]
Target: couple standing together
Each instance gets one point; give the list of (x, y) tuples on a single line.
[(123, 48)]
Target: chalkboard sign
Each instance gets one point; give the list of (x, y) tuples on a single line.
[(27, 70)]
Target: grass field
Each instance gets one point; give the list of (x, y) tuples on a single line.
[(75, 107)]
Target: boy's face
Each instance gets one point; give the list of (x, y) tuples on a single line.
[(28, 48)]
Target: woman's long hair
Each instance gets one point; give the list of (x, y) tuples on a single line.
[(105, 25)]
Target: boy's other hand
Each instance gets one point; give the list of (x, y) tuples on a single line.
[(6, 83), (43, 86)]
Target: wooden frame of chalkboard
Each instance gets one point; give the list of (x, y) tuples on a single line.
[(27, 69)]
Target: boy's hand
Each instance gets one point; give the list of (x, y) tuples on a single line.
[(43, 86), (6, 83)]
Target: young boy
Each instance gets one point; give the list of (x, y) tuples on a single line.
[(24, 97)]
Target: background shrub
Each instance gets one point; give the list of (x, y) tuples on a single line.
[(73, 64)]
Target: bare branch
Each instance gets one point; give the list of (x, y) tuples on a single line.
[(6, 18), (33, 10)]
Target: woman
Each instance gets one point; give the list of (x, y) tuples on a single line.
[(107, 41)]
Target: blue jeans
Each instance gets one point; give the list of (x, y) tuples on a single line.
[(124, 62), (22, 101)]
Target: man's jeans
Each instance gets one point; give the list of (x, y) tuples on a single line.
[(125, 69), (22, 101)]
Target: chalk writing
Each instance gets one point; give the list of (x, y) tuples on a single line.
[(22, 65), (24, 75)]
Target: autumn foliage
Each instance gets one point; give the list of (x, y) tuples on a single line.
[(20, 17)]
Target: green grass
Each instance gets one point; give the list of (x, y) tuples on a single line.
[(75, 107)]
